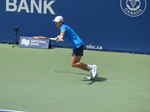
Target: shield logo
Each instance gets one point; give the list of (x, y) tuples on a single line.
[(133, 8)]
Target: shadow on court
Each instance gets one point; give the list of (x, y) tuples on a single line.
[(96, 79), (63, 71)]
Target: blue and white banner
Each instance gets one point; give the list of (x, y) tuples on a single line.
[(29, 42), (4, 110), (108, 25)]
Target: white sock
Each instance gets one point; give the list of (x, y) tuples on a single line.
[(89, 67)]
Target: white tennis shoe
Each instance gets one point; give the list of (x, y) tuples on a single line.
[(93, 72)]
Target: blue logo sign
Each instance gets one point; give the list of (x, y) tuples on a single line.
[(29, 42), (133, 8)]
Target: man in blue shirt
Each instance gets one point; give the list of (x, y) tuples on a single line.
[(77, 46)]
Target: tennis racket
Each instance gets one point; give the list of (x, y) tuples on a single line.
[(42, 37)]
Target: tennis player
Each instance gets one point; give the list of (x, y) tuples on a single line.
[(68, 33)]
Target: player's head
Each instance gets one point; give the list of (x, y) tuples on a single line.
[(59, 20)]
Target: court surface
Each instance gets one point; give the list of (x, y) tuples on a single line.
[(40, 80)]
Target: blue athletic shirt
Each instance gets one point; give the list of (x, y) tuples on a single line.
[(71, 36)]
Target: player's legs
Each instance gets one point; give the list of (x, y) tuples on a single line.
[(76, 57), (75, 62)]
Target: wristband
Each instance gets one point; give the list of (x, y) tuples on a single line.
[(60, 36)]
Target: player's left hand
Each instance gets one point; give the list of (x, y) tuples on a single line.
[(59, 39)]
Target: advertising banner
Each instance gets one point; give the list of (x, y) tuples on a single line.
[(29, 42), (107, 25)]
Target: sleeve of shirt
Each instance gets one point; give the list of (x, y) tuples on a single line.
[(63, 28)]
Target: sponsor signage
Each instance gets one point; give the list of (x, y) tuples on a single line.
[(29, 42), (112, 25), (93, 47), (133, 8), (41, 6)]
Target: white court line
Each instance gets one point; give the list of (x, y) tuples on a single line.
[(10, 110)]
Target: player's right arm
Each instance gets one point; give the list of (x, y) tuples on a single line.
[(59, 38)]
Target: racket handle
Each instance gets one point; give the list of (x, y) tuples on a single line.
[(52, 38)]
